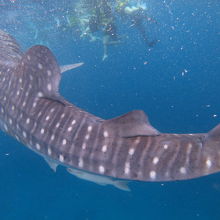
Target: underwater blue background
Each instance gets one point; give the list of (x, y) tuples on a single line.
[(176, 83)]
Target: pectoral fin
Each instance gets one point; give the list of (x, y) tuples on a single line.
[(100, 180), (68, 67), (52, 164)]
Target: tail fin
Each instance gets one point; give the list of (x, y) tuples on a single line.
[(9, 50)]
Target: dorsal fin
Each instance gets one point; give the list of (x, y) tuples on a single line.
[(132, 124), (214, 134), (39, 68)]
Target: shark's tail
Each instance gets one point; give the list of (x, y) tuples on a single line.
[(10, 52)]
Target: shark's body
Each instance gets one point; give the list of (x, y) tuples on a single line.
[(127, 147)]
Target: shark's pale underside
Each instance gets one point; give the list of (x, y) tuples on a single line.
[(103, 151)]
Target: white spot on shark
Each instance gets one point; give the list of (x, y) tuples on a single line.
[(101, 169), (208, 163), (38, 146), (127, 168), (34, 104), (165, 146), (47, 118), (105, 134), (80, 163), (49, 87), (40, 94), (40, 66), (104, 148), (183, 170), (84, 146), (153, 175), (137, 141), (64, 142), (89, 128), (49, 73), (49, 151), (42, 131), (28, 121), (61, 158), (52, 137), (155, 160), (131, 151), (24, 134)]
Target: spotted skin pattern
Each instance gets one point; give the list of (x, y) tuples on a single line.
[(126, 147)]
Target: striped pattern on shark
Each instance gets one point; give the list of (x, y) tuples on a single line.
[(126, 147)]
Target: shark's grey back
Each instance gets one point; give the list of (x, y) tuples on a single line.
[(126, 147)]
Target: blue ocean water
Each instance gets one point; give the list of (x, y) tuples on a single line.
[(176, 83)]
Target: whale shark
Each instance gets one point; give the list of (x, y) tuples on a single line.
[(107, 152)]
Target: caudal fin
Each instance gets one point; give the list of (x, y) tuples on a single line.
[(10, 52)]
